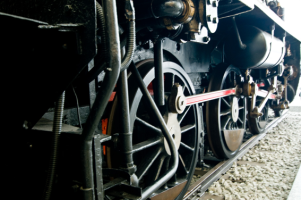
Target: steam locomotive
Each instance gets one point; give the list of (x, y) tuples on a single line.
[(122, 99)]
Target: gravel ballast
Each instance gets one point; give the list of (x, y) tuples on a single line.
[(268, 170)]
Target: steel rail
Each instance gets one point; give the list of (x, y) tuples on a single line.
[(221, 168)]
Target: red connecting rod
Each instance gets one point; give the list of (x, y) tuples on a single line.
[(199, 98)]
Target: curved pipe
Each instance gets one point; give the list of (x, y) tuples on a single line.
[(130, 46), (102, 98), (57, 128), (101, 20), (174, 153), (240, 43)]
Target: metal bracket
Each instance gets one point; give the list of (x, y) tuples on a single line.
[(285, 103)]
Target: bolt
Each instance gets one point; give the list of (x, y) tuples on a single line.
[(209, 18), (209, 2), (205, 39), (215, 20)]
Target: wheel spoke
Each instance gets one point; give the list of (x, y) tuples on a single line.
[(240, 120), (182, 116), (148, 125), (225, 101), (187, 147), (241, 107), (182, 165), (147, 162), (186, 128), (156, 170), (146, 144), (226, 112), (160, 165), (225, 122)]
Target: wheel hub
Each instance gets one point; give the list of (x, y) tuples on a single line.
[(234, 109)]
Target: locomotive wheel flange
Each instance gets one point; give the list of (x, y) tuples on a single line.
[(151, 152), (226, 117)]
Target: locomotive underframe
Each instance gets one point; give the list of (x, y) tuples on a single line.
[(58, 41)]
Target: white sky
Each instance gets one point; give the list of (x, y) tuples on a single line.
[(292, 14)]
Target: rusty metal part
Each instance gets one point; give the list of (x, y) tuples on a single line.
[(285, 103), (208, 14), (295, 73), (194, 26), (188, 13), (171, 193), (170, 24), (184, 18), (254, 110)]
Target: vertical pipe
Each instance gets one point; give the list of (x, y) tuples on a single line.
[(240, 44), (159, 76), (125, 136), (102, 98)]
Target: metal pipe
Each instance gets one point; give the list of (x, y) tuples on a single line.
[(240, 43), (159, 76), (125, 136), (174, 153), (130, 15), (57, 127), (102, 98)]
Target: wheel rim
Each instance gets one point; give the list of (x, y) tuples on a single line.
[(150, 154), (226, 117), (263, 120)]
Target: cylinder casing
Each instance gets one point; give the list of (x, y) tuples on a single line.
[(262, 49)]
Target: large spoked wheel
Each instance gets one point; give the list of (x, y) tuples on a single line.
[(151, 152), (225, 117), (257, 125)]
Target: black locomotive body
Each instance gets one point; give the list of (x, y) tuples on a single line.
[(122, 99)]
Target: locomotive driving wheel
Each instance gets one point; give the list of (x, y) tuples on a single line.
[(151, 152), (225, 117)]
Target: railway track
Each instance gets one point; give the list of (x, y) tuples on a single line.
[(197, 189)]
